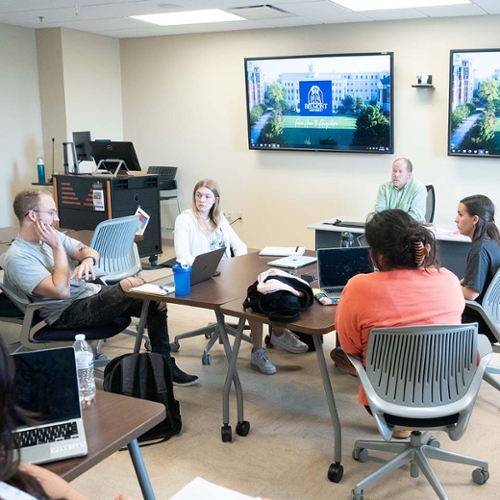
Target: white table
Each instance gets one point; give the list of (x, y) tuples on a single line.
[(453, 247)]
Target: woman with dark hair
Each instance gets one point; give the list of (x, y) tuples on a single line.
[(410, 288), (15, 476), (204, 228), (476, 219)]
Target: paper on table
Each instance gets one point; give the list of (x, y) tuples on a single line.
[(153, 289), (282, 251), (199, 489)]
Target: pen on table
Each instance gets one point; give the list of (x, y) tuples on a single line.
[(166, 290), (297, 249)]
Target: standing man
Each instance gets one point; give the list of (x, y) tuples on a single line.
[(403, 191), (46, 264)]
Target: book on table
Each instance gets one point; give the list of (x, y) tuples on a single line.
[(282, 251)]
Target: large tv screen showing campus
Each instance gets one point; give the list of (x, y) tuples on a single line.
[(474, 109), (338, 103)]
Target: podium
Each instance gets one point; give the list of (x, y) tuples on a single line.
[(85, 200)]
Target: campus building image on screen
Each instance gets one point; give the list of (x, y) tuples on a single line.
[(474, 109), (339, 103)]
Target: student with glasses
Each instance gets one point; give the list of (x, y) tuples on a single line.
[(46, 264)]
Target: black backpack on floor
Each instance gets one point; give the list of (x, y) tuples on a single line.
[(146, 376)]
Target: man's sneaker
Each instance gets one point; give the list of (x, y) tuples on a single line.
[(180, 378), (289, 342), (260, 360), (342, 361), (401, 434)]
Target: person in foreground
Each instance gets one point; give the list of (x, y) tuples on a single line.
[(410, 288), (204, 228), (46, 264), (476, 219), (403, 191), (15, 476)]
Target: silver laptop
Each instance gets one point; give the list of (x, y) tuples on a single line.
[(336, 266), (46, 385), (202, 269)]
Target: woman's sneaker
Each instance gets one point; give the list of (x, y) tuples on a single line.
[(260, 360), (289, 342), (180, 378)]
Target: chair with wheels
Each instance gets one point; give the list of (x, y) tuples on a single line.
[(430, 206), (421, 378), (168, 184), (489, 311)]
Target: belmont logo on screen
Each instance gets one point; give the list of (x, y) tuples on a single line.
[(315, 98)]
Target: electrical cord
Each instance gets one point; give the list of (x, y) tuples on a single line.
[(235, 220)]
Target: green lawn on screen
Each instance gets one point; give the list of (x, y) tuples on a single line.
[(338, 127), (496, 129)]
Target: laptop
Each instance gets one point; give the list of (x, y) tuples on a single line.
[(46, 384), (202, 269), (336, 266), (293, 261)]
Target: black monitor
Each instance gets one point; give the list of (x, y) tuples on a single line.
[(82, 146), (110, 153)]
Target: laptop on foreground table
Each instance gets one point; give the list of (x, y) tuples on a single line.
[(336, 266), (202, 269), (46, 383)]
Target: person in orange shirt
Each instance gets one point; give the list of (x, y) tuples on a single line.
[(410, 288)]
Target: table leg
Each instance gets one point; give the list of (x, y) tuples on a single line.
[(243, 427), (336, 470), (141, 325), (140, 470)]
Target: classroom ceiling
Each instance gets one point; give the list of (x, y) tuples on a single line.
[(110, 17)]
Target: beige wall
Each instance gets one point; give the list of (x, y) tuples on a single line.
[(20, 125), (80, 86), (184, 105)]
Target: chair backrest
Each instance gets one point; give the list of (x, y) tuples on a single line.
[(431, 204), (113, 239), (422, 366), (491, 299), (166, 177)]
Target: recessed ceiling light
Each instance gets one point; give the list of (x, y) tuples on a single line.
[(361, 5), (189, 17)]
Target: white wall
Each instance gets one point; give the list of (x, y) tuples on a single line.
[(80, 87), (184, 105), (20, 125)]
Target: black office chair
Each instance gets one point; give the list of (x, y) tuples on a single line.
[(430, 207), (16, 307), (167, 182)]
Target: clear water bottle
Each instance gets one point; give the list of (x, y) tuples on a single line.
[(85, 366)]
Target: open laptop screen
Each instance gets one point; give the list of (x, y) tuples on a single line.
[(46, 383), (336, 266)]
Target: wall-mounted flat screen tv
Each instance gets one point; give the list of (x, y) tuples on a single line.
[(339, 103), (474, 109)]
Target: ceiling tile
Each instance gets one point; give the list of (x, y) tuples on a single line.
[(323, 11), (453, 10)]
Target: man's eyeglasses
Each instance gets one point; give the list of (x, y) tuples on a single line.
[(51, 213)]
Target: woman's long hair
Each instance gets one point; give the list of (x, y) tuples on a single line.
[(398, 241), (215, 214), (483, 207), (10, 416)]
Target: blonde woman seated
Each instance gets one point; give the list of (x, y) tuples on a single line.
[(204, 228)]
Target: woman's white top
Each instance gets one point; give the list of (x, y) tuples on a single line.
[(190, 240), (8, 492)]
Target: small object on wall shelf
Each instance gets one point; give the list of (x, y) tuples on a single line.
[(424, 81)]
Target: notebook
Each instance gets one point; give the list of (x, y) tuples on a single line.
[(202, 269), (46, 383), (292, 262), (336, 266)]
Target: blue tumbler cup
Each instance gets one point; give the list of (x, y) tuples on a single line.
[(182, 279)]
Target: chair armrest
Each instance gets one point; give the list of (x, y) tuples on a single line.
[(494, 327)]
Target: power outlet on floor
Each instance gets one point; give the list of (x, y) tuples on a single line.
[(229, 215)]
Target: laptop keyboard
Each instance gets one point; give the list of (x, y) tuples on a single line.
[(49, 434), (333, 289)]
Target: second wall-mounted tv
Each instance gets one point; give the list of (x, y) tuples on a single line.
[(336, 103), (474, 103)]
